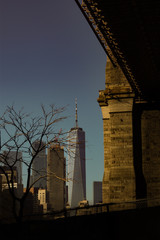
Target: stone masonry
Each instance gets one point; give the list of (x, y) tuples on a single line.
[(131, 141), (150, 123)]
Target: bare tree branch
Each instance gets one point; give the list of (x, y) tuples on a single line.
[(20, 130)]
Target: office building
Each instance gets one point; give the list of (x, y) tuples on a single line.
[(39, 167), (15, 158), (56, 177), (76, 165), (97, 192), (32, 203), (42, 197), (7, 170)]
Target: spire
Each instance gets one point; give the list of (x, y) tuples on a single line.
[(76, 116)]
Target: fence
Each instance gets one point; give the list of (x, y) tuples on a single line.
[(96, 209), (89, 210)]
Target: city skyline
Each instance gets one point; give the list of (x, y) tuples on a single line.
[(49, 54), (75, 152)]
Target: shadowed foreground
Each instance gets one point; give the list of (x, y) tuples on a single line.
[(129, 224)]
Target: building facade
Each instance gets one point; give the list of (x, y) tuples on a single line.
[(56, 179), (76, 166), (42, 197), (15, 158), (39, 167), (32, 203), (97, 192)]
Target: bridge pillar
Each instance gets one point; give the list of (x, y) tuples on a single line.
[(131, 137), (150, 135)]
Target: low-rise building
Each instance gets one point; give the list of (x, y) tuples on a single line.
[(42, 197)]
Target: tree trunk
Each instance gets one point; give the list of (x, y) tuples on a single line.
[(15, 208), (20, 213)]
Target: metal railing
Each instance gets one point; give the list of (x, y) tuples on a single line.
[(96, 209), (90, 210)]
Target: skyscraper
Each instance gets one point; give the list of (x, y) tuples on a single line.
[(39, 167), (15, 158), (76, 165), (97, 192), (56, 171)]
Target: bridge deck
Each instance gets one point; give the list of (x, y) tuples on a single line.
[(131, 30)]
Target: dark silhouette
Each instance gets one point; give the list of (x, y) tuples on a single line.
[(20, 130)]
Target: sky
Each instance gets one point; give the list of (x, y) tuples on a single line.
[(49, 55)]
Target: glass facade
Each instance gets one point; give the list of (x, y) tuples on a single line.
[(76, 167)]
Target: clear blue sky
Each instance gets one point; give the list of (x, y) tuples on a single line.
[(49, 54)]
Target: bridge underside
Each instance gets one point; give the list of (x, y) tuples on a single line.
[(129, 33)]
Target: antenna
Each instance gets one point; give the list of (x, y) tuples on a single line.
[(76, 116)]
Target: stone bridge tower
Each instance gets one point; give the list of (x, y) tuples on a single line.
[(130, 103), (131, 141)]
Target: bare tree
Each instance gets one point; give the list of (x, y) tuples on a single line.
[(20, 131)]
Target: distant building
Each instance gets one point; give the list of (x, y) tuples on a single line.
[(76, 166), (0, 183), (18, 188), (97, 192), (39, 167), (56, 169), (8, 171), (32, 203), (6, 200), (6, 207), (14, 157), (42, 197), (66, 194)]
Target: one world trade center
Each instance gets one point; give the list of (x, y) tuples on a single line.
[(76, 165)]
